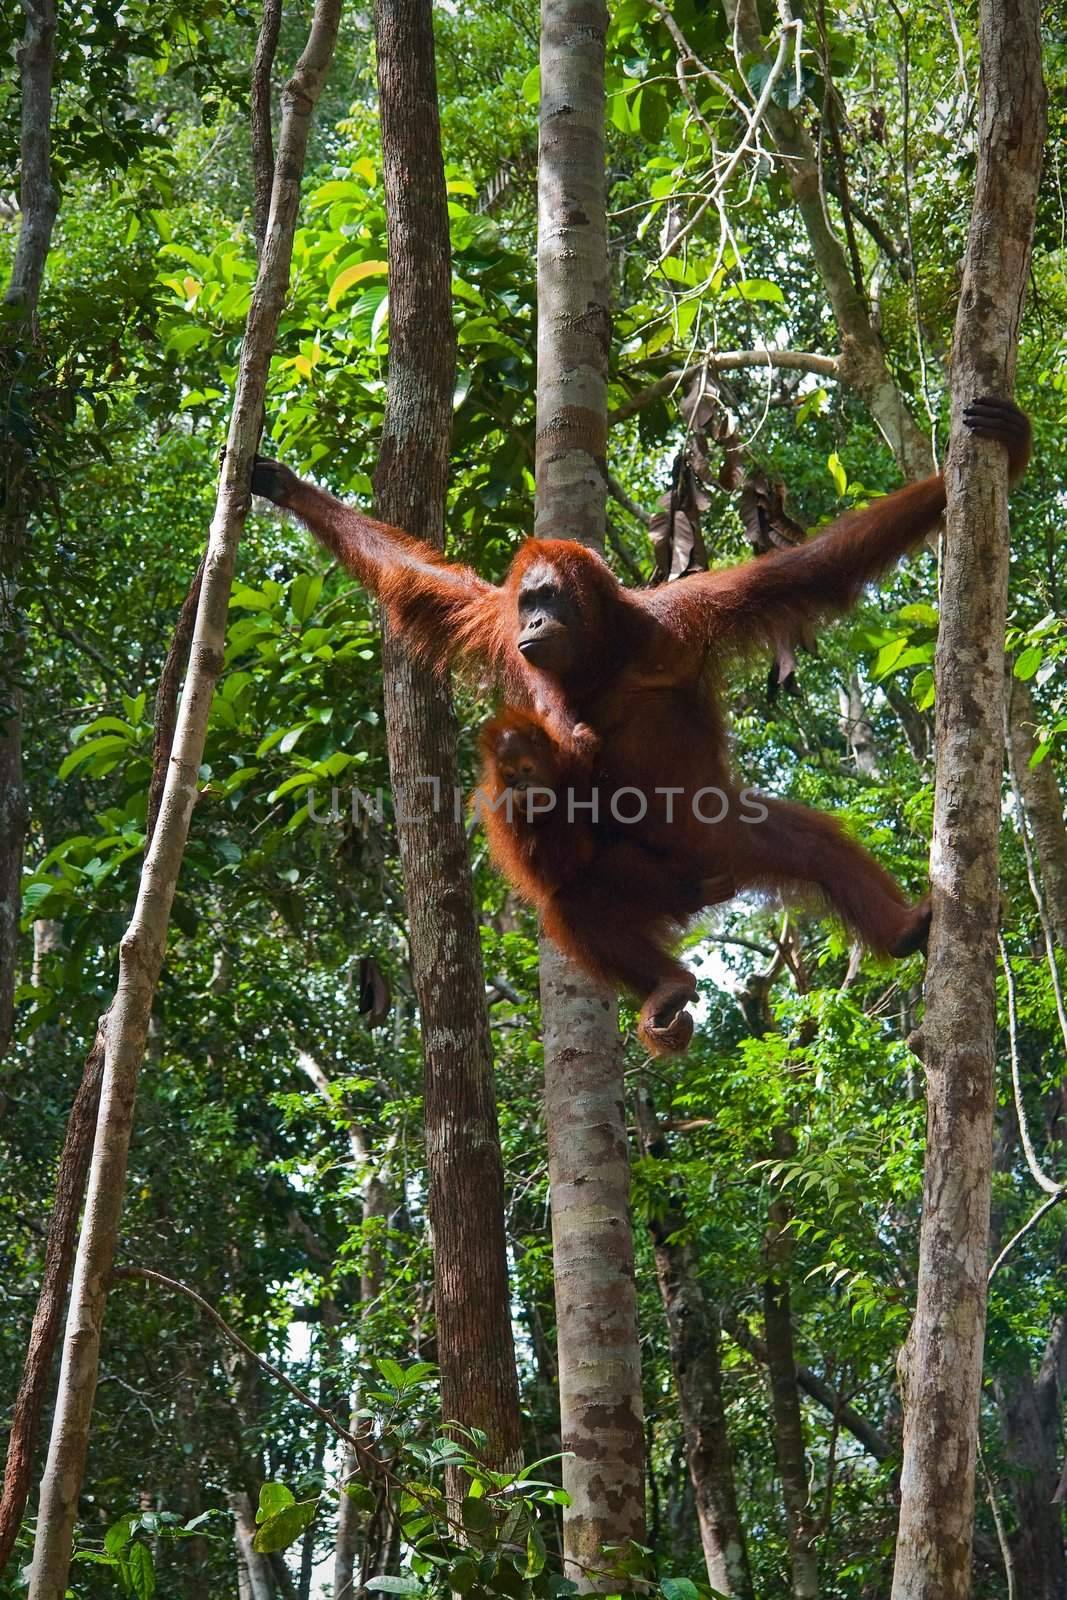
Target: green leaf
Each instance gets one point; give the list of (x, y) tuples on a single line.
[(249, 599), (304, 594), (1027, 663), (536, 1554), (134, 707), (462, 1575), (111, 745), (838, 473), (920, 614), (679, 1589), (531, 86), (395, 1585), (118, 1535), (922, 690), (187, 338), (477, 1515), (106, 725), (653, 114), (354, 274), (755, 289), (273, 1497), (142, 1571), (392, 1372), (888, 656), (338, 189), (280, 1531)]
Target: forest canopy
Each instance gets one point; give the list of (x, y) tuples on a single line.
[(787, 202)]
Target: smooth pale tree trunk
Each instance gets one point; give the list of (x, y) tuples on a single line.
[(144, 943), (601, 1422), (695, 1341), (476, 1354), (38, 205), (941, 1364), (596, 1305)]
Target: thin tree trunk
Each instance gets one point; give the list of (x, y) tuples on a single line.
[(596, 1304), (58, 1256), (376, 1206), (873, 1440), (695, 1338), (856, 726), (479, 1387), (941, 1364), (143, 946), (785, 1393), (1029, 1422), (38, 203)]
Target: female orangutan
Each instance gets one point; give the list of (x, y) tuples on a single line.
[(620, 699)]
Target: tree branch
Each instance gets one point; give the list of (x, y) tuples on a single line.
[(260, 112), (727, 361), (38, 200), (367, 1457)]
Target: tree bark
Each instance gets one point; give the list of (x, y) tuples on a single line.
[(601, 1416), (376, 1206), (1029, 1414), (58, 1256), (596, 1303), (38, 203), (479, 1387), (941, 1364), (856, 726), (695, 1337), (143, 945), (789, 1446)]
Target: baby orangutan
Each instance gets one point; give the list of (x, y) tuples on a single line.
[(536, 802)]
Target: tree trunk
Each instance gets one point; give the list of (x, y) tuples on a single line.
[(476, 1354), (785, 1393), (695, 1337), (71, 1175), (596, 1304), (143, 945), (941, 1364), (856, 726), (1029, 1415), (38, 204), (377, 1203), (601, 1419)]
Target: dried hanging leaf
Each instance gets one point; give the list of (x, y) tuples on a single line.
[(374, 996)]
